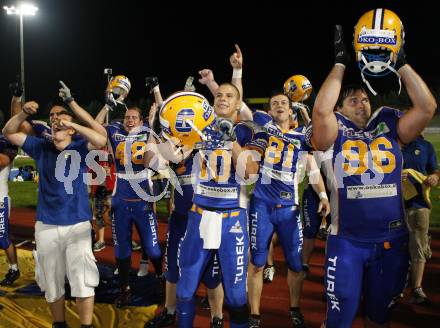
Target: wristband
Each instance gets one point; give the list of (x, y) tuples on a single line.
[(237, 73), (68, 100), (322, 195)]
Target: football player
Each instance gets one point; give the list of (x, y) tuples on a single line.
[(367, 246)]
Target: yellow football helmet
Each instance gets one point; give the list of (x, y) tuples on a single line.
[(120, 86), (298, 88), (378, 37), (185, 115)]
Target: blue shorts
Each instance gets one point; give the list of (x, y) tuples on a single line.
[(264, 220), (140, 213), (4, 223), (378, 271), (193, 259), (309, 209), (176, 230)]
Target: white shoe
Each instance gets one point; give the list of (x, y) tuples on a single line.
[(143, 268)]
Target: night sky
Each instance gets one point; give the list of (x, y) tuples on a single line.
[(74, 40)]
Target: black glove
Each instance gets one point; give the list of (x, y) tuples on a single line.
[(16, 87), (157, 128), (401, 58), (151, 82), (110, 101), (341, 55)]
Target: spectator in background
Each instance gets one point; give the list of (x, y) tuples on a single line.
[(421, 171), (7, 155)]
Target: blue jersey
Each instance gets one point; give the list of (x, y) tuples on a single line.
[(278, 180), (60, 202), (217, 185), (363, 170), (183, 203), (128, 150)]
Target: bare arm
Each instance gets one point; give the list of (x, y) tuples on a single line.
[(207, 78), (412, 123), (95, 139), (12, 127), (16, 105), (317, 183), (236, 61), (325, 127), (100, 118), (80, 113), (4, 160)]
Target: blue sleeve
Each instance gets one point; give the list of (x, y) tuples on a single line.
[(33, 146), (432, 159), (247, 137)]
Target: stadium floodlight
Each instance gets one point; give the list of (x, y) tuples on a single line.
[(24, 9)]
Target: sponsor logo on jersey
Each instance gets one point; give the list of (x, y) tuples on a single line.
[(254, 224), (130, 138), (331, 283), (286, 195), (236, 228), (371, 191), (381, 128), (239, 251)]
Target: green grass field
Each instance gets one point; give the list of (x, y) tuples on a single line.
[(24, 194)]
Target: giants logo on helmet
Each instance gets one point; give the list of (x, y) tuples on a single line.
[(182, 117)]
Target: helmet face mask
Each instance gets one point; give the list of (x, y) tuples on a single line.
[(119, 86)]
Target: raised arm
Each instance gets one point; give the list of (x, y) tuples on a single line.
[(16, 89), (325, 127), (95, 139), (80, 113), (236, 60), (412, 123), (152, 83), (207, 78), (12, 127)]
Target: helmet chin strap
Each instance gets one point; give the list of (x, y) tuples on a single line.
[(378, 67)]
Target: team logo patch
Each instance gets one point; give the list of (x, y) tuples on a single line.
[(182, 118), (236, 228), (285, 195), (417, 152)]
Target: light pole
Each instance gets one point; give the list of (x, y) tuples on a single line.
[(24, 9)]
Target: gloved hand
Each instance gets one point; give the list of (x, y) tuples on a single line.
[(341, 54), (151, 82), (401, 58), (110, 101), (16, 87), (213, 139), (226, 129), (65, 93)]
